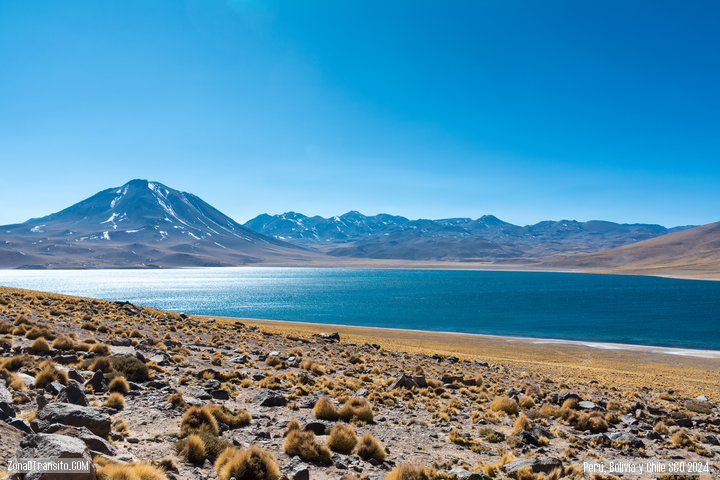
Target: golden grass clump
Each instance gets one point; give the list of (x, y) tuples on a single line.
[(342, 438), (198, 419), (405, 471), (522, 424), (50, 373), (661, 428), (358, 408), (130, 471), (63, 342), (325, 409), (253, 464), (303, 444), (370, 447), (681, 438), (100, 349), (40, 345), (192, 449), (131, 368), (232, 419), (119, 385), (101, 363), (505, 404), (116, 401)]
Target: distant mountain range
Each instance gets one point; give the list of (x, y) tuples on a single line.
[(146, 224), (140, 224), (453, 239)]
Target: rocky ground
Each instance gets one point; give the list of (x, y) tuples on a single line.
[(150, 394)]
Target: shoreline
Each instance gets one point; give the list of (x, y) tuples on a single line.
[(404, 265)]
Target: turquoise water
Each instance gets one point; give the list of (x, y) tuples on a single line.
[(608, 308)]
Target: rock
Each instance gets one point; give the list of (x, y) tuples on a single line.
[(94, 419), (329, 337), (537, 464), (54, 388), (539, 431), (629, 419), (403, 381), (684, 422), (528, 438), (653, 436), (363, 392), (28, 380), (463, 474), (75, 375), (41, 401), (220, 394), (420, 380), (48, 445), (587, 405), (98, 382), (268, 398), (625, 437), (65, 358), (91, 441), (20, 424), (73, 393), (317, 427), (480, 363), (563, 397), (451, 379), (5, 395), (6, 411), (239, 359), (701, 398)]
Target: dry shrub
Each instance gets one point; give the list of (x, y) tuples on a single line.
[(63, 342), (325, 409), (40, 345), (50, 373), (230, 418), (342, 438), (191, 449), (505, 404), (370, 447), (356, 408), (527, 402), (131, 368), (595, 422), (130, 471), (253, 464), (101, 363), (661, 428), (116, 401), (196, 420), (303, 444), (273, 361), (100, 349), (522, 424), (408, 472), (119, 385), (15, 363), (176, 400), (682, 438)]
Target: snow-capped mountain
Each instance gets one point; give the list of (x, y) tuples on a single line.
[(484, 239), (138, 224)]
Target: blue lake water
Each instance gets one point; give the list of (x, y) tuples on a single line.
[(608, 308)]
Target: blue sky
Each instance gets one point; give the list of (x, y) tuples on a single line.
[(522, 109)]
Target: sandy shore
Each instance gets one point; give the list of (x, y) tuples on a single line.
[(694, 372)]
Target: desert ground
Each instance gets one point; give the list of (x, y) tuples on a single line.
[(150, 394)]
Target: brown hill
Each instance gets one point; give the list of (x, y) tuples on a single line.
[(692, 252)]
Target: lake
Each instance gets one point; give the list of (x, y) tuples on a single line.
[(574, 306)]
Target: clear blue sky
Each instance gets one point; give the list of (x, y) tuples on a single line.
[(527, 110)]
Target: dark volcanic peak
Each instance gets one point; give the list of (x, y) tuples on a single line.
[(486, 238), (138, 224)]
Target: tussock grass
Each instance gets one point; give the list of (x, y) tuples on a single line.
[(370, 447), (342, 438), (505, 404), (252, 464), (196, 420), (50, 373)]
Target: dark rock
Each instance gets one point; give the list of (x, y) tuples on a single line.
[(629, 419), (625, 437), (537, 464), (317, 427), (92, 441), (268, 398), (329, 337), (563, 397), (73, 393), (239, 359), (480, 363), (54, 388), (20, 424), (420, 380), (65, 359), (220, 394), (539, 431), (43, 445), (98, 382), (75, 375), (653, 436), (684, 422), (528, 438), (403, 381), (6, 411), (451, 379), (94, 419)]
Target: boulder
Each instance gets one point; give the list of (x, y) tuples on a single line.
[(73, 393), (5, 395), (47, 445), (403, 381), (625, 437), (91, 441), (98, 382), (94, 419), (463, 474), (268, 398), (537, 464), (317, 427)]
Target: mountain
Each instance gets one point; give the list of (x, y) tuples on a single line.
[(694, 252), (453, 239), (140, 224)]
